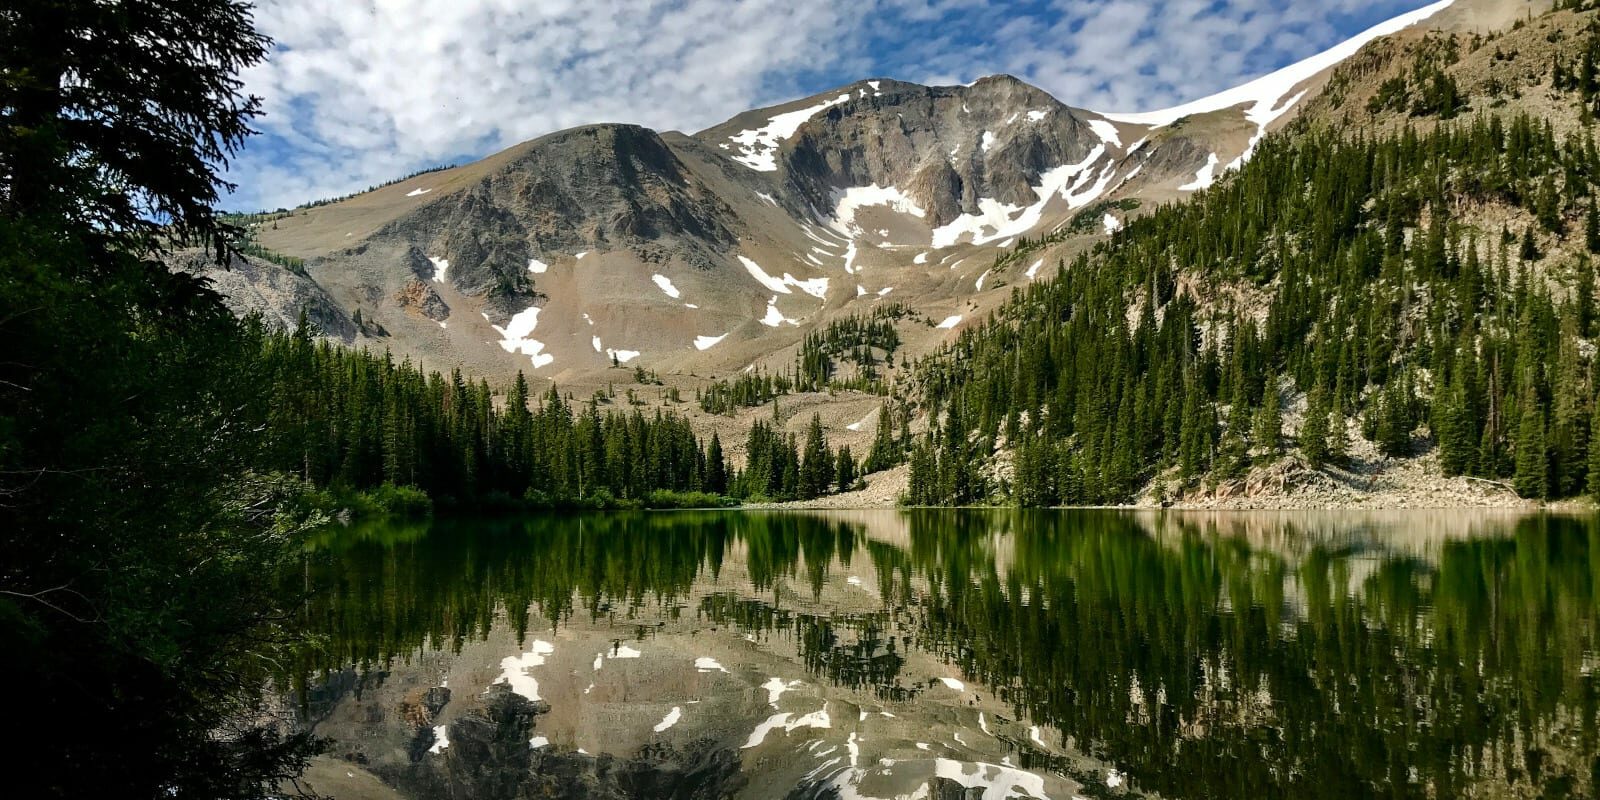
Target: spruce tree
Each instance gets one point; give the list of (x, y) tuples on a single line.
[(1233, 455), (1314, 429), (1529, 249), (816, 463), (845, 470), (1268, 433), (716, 480), (1533, 466), (1338, 436), (1394, 421), (1593, 477), (1591, 228)]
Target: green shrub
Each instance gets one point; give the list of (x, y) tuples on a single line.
[(665, 499)]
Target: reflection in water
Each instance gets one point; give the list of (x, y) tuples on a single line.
[(1312, 655)]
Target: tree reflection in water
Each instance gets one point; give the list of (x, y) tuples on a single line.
[(1212, 656)]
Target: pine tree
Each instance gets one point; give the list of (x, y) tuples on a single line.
[(716, 480), (1533, 466), (887, 451), (1233, 455), (1268, 429), (816, 463), (1591, 228), (1314, 433), (1529, 250), (1198, 433), (1338, 436), (845, 470), (1593, 478), (1394, 421)]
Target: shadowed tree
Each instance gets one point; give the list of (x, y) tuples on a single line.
[(137, 568)]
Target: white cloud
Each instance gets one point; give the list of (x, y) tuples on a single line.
[(361, 92)]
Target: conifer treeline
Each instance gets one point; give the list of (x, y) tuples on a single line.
[(1334, 268), (357, 421)]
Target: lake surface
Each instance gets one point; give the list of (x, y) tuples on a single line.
[(946, 654)]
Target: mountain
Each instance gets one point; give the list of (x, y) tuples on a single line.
[(935, 264), (1393, 304), (708, 253)]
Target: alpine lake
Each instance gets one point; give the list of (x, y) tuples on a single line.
[(953, 654)]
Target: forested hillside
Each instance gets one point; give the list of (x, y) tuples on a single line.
[(350, 421), (1422, 284)]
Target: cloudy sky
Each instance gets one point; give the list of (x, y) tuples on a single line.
[(362, 91)]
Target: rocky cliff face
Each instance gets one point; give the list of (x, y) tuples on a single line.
[(251, 286), (948, 146), (597, 188)]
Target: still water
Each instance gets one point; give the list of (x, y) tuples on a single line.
[(955, 655)]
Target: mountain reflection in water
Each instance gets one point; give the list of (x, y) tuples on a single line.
[(955, 654)]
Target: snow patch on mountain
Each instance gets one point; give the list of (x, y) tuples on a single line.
[(1106, 131), (537, 267), (1112, 224), (1266, 92), (758, 147), (856, 426), (850, 258), (1262, 116), (774, 317), (440, 266), (816, 287), (514, 337), (670, 719), (514, 669), (708, 664), (1083, 193), (812, 235), (993, 779), (665, 284), (708, 342), (950, 322), (847, 201), (417, 192), (1205, 177), (998, 220), (622, 357), (762, 277)]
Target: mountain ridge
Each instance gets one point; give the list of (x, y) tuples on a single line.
[(718, 252)]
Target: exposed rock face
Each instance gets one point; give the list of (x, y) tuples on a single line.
[(253, 286), (601, 187), (421, 298), (488, 755), (950, 145), (698, 772)]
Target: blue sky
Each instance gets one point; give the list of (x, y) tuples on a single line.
[(358, 92)]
